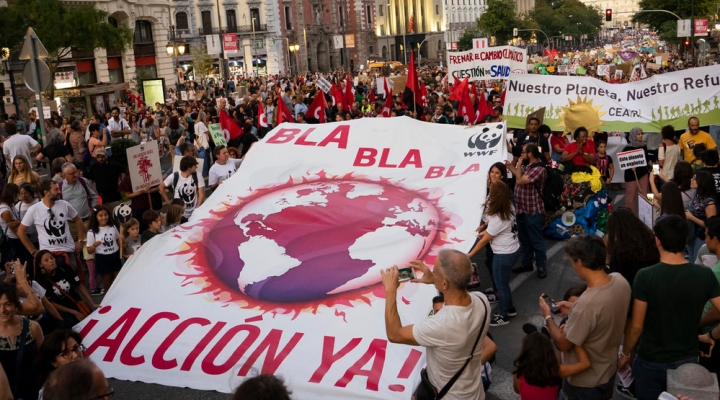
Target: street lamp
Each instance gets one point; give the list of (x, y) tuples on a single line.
[(173, 48), (5, 57), (294, 48)]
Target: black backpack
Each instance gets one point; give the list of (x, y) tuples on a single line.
[(552, 190)]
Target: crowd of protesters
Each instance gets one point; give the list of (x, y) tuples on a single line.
[(62, 243)]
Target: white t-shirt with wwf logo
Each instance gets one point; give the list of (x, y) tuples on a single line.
[(52, 225), (186, 190), (219, 173), (108, 235)]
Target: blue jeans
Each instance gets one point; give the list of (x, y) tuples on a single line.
[(693, 247), (489, 264), (531, 239), (502, 269), (651, 378), (571, 392)]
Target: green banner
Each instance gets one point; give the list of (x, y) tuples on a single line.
[(217, 135)]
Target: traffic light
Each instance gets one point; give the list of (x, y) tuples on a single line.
[(687, 42), (515, 32), (608, 14)]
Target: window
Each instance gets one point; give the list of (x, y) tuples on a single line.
[(181, 20), (288, 21), (371, 50), (206, 17), (143, 32), (437, 9), (342, 17), (255, 13), (369, 14), (380, 11), (231, 20)]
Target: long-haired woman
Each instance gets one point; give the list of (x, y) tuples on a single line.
[(501, 233), (701, 208), (672, 200), (630, 244), (682, 175), (498, 172), (21, 172)]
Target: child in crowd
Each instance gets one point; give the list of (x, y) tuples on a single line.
[(604, 163), (103, 241), (697, 150), (130, 237), (154, 222), (538, 373), (172, 217)]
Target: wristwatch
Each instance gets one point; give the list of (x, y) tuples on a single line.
[(547, 317)]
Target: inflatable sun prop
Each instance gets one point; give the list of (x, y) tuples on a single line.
[(581, 113)]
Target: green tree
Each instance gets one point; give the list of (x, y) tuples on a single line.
[(499, 20), (566, 18), (666, 23), (201, 61), (465, 41), (61, 28)]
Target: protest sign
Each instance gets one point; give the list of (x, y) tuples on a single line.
[(217, 135), (323, 84), (144, 165), (603, 70), (294, 241), (483, 63), (663, 99), (631, 159), (398, 83)]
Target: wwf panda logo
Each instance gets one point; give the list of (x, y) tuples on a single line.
[(122, 213), (55, 225), (487, 139), (187, 194), (107, 240)]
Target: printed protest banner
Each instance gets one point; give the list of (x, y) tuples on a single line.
[(144, 165), (323, 84), (631, 159), (484, 63), (603, 70), (217, 134), (278, 271), (663, 99)]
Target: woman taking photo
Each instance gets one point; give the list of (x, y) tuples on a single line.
[(16, 329), (671, 201), (55, 278), (21, 172), (636, 179), (501, 232), (701, 207)]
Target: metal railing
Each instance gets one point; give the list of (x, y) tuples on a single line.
[(234, 29)]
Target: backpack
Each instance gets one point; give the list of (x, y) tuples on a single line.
[(176, 179), (552, 190)]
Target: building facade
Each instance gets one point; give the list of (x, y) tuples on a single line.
[(623, 11), (524, 6), (462, 15)]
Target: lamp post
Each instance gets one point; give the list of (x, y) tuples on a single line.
[(5, 57), (294, 48), (173, 48), (252, 48)]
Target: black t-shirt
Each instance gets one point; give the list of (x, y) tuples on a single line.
[(715, 172), (639, 171), (524, 137), (106, 178), (68, 281), (56, 151)]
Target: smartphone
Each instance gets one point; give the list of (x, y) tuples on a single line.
[(12, 269), (550, 302), (405, 274), (651, 197), (656, 169)]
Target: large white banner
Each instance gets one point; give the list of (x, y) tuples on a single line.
[(486, 63), (279, 271), (573, 101)]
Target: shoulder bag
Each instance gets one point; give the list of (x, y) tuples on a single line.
[(427, 391), (19, 359)]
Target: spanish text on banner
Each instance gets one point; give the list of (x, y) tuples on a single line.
[(486, 63), (572, 101), (279, 270)]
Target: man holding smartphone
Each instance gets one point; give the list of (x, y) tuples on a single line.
[(449, 336)]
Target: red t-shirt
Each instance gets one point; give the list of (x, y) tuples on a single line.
[(561, 141), (588, 147), (529, 392)]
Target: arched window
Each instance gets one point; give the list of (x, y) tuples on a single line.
[(143, 32), (181, 20)]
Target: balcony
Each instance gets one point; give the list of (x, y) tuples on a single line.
[(233, 29)]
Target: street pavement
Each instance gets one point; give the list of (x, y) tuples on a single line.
[(526, 289)]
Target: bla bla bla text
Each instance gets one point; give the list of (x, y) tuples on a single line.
[(368, 156)]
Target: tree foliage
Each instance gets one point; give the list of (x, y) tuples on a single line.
[(61, 27), (666, 23), (202, 62), (499, 20)]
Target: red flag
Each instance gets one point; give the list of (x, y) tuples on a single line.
[(387, 108), (466, 109), (502, 97), (423, 93), (283, 112), (459, 90), (262, 117), (372, 96), (337, 97), (412, 90), (554, 53), (317, 107), (230, 128), (388, 92), (483, 109), (349, 97), (547, 53)]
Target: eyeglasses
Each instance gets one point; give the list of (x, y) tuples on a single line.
[(78, 349), (110, 394)]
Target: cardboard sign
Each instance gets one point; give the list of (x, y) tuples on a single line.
[(183, 95), (398, 83), (603, 70), (539, 114), (631, 159), (323, 84), (618, 74), (217, 135), (144, 165), (653, 66)]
